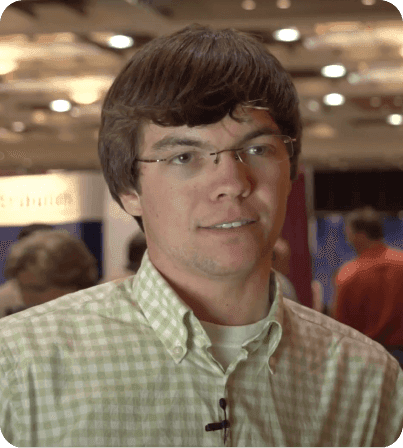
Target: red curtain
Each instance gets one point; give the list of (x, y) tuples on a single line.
[(295, 231)]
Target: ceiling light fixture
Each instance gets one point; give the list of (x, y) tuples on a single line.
[(249, 5), (60, 105), (395, 119), (287, 35), (313, 105), (87, 89), (38, 117), (283, 4), (354, 78), (18, 126), (333, 71), (85, 97), (7, 66), (334, 99), (368, 2), (120, 41)]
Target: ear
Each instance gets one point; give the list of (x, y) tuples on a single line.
[(132, 204)]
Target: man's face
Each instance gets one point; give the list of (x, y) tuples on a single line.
[(178, 211)]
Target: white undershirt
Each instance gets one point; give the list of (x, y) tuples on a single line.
[(227, 341)]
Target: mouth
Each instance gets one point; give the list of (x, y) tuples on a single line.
[(231, 224)]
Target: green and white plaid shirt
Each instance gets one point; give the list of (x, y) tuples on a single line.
[(127, 364)]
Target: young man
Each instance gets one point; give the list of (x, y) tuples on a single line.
[(199, 141), (369, 289)]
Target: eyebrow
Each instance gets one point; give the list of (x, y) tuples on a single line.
[(173, 141)]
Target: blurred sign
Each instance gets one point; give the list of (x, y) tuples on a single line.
[(51, 198)]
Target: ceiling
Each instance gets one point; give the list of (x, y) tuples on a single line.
[(57, 49)]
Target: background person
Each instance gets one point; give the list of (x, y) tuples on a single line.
[(49, 264), (369, 289), (10, 295), (199, 141)]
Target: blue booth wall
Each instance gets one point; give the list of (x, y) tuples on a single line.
[(332, 249)]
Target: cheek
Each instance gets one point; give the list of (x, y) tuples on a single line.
[(275, 188), (168, 205)]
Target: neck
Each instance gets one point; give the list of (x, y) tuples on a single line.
[(231, 301), (369, 244)]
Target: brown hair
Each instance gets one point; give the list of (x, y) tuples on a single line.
[(194, 77), (366, 220), (55, 258)]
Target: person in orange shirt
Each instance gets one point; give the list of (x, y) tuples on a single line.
[(369, 289)]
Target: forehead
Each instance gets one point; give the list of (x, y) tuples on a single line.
[(225, 131)]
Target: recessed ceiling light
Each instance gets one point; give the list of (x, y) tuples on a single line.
[(287, 35), (85, 97), (249, 5), (368, 2), (313, 105), (18, 126), (7, 66), (334, 71), (395, 119), (283, 4), (321, 130), (60, 105), (120, 41), (334, 99), (38, 117), (354, 78)]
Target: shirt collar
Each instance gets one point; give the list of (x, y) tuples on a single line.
[(162, 308), (174, 322)]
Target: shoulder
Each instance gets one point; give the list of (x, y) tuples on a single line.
[(394, 255), (347, 271), (80, 316), (323, 333)]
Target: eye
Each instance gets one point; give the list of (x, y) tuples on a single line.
[(182, 159), (260, 150)]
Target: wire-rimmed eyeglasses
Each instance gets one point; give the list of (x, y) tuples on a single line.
[(271, 149)]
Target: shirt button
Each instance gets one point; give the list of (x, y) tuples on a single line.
[(178, 350)]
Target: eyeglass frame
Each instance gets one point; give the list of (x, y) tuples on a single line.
[(292, 140)]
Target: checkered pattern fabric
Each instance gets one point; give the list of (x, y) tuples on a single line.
[(127, 364)]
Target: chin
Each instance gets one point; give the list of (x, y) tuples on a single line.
[(224, 266)]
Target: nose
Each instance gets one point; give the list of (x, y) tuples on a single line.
[(230, 178)]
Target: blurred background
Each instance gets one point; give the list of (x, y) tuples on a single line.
[(59, 57)]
